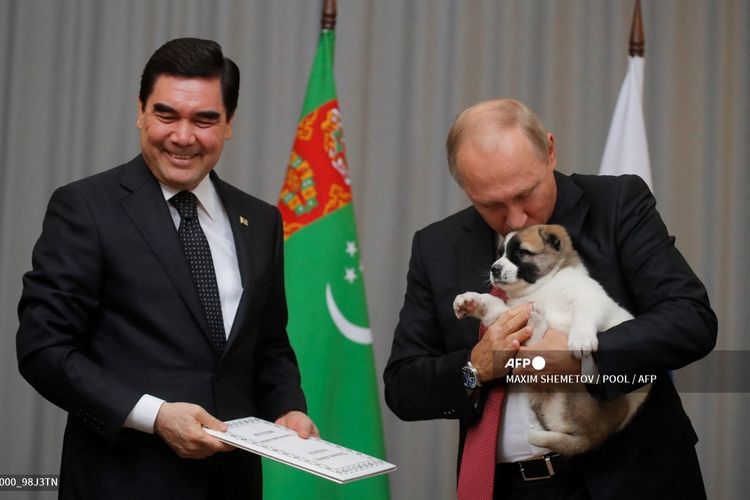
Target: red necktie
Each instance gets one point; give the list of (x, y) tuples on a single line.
[(476, 479)]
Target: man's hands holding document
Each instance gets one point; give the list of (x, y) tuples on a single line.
[(300, 423), (284, 442), (181, 425)]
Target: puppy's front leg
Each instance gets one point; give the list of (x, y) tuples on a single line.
[(582, 336), (479, 305)]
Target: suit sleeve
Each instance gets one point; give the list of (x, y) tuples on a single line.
[(58, 306), (278, 376), (423, 374), (674, 323)]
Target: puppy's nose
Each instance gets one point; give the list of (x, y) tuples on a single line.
[(496, 269)]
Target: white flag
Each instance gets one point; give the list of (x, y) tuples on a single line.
[(626, 151)]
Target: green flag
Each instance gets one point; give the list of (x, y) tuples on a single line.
[(328, 322)]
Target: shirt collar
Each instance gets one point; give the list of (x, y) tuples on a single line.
[(206, 193)]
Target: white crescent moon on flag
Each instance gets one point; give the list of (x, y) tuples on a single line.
[(348, 329)]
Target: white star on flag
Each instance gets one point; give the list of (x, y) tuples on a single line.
[(351, 248), (351, 275)]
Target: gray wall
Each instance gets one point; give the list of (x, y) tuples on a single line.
[(404, 68)]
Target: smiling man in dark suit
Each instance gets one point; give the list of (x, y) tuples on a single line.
[(156, 303), (504, 159)]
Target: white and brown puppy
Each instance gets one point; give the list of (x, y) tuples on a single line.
[(539, 265)]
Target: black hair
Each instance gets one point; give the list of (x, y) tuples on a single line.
[(193, 57)]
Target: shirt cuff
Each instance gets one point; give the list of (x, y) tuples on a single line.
[(143, 414)]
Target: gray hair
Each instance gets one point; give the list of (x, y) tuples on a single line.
[(504, 114)]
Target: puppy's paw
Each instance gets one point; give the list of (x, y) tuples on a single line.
[(538, 438), (537, 322), (469, 304), (538, 309), (582, 344)]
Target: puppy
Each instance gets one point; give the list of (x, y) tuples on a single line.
[(539, 265)]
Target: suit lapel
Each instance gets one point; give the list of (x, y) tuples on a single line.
[(146, 208), (243, 226), (571, 211), (475, 252), (571, 206)]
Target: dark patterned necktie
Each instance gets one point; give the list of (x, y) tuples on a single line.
[(476, 478), (198, 255)]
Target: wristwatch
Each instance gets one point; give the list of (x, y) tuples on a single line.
[(471, 376)]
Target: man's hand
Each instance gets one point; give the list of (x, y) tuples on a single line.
[(179, 425), (500, 342), (299, 422), (554, 349)]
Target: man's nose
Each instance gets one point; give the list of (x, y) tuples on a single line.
[(182, 134), (516, 218)]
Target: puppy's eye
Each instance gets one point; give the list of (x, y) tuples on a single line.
[(522, 253)]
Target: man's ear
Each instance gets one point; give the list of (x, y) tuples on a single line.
[(139, 119), (228, 128), (551, 151)]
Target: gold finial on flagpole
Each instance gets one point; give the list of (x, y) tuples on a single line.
[(328, 16), (637, 43)]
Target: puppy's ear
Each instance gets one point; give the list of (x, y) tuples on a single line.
[(550, 239)]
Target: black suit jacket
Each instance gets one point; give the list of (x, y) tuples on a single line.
[(615, 227), (109, 313)]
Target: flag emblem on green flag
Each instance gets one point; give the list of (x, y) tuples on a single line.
[(328, 321)]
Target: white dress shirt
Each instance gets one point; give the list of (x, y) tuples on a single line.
[(518, 420), (214, 221)]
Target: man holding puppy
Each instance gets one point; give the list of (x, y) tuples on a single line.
[(156, 306), (504, 159)]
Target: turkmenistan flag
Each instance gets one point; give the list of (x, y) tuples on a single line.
[(328, 323)]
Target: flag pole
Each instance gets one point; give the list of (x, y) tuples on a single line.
[(626, 149), (637, 43), (328, 16)]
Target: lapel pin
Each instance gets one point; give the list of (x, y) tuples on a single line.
[(243, 221)]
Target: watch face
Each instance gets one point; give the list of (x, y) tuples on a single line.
[(470, 377)]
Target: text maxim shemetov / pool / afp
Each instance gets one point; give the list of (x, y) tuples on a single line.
[(538, 363)]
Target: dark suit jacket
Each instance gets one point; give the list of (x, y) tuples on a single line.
[(109, 313), (625, 245)]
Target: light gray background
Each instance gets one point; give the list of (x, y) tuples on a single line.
[(404, 68)]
